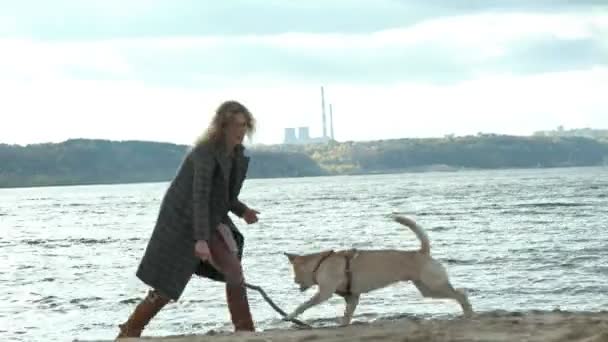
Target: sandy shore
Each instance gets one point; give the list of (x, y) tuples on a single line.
[(495, 326)]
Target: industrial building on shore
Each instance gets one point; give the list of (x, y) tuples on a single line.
[(301, 135)]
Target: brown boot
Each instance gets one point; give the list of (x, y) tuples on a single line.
[(144, 312), (238, 305)]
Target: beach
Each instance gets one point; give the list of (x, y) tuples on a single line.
[(545, 326)]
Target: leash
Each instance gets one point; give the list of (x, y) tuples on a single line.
[(275, 307)]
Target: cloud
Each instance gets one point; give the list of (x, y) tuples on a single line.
[(104, 19), (444, 50), (30, 60)]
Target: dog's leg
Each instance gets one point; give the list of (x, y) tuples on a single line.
[(446, 291), (434, 283), (318, 298), (351, 304), (424, 290), (461, 296)]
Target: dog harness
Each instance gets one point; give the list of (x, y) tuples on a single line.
[(348, 256)]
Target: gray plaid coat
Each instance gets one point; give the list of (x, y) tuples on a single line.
[(196, 202)]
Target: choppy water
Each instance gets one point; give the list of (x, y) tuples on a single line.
[(516, 239)]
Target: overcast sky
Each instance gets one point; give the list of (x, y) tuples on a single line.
[(156, 69)]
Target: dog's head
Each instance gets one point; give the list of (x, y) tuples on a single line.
[(302, 270)]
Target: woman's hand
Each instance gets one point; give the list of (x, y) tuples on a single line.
[(250, 215), (201, 249)]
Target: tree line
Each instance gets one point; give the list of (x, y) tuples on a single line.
[(84, 161)]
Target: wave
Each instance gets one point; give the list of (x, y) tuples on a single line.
[(549, 205), (74, 241)]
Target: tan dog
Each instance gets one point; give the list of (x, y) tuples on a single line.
[(353, 272)]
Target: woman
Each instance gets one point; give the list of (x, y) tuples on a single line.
[(193, 232)]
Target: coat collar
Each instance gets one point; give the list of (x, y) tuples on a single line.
[(239, 158)]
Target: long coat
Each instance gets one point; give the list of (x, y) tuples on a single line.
[(196, 202)]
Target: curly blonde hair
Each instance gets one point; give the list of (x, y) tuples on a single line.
[(223, 115)]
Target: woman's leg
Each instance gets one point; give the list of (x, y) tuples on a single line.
[(224, 257), (143, 313)]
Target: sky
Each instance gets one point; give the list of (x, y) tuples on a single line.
[(157, 69)]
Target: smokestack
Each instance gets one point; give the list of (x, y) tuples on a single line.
[(323, 112), (331, 121)]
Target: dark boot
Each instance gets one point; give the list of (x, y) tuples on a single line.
[(238, 305), (144, 312)]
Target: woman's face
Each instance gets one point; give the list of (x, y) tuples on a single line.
[(236, 129)]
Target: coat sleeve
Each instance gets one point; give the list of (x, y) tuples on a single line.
[(204, 165), (237, 207)]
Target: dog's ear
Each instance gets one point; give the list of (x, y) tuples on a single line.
[(290, 256)]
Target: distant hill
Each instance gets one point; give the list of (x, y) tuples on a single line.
[(82, 161), (483, 151)]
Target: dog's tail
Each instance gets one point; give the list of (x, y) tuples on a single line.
[(425, 247)]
